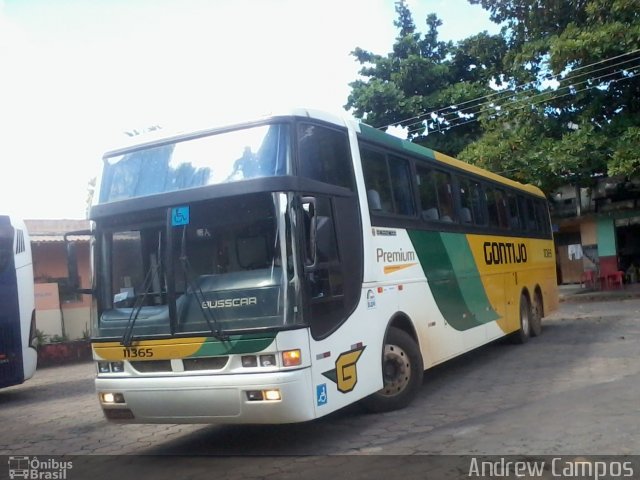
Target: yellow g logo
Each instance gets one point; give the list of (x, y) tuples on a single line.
[(345, 375)]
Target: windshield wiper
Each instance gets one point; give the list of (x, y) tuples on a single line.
[(209, 317), (147, 284), (127, 337)]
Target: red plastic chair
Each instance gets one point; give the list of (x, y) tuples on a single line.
[(615, 279), (588, 278)]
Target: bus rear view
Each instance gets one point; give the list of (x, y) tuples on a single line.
[(18, 355)]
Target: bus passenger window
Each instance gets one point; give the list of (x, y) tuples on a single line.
[(497, 208), (376, 179), (401, 185), (428, 196), (445, 197), (543, 218), (533, 222), (514, 216), (471, 210), (522, 209)]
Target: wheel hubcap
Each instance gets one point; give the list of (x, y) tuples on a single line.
[(396, 369)]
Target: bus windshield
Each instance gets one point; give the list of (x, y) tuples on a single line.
[(228, 268), (230, 156)]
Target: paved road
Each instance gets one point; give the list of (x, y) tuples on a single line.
[(574, 390)]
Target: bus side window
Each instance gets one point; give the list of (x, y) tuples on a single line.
[(324, 155), (400, 173), (543, 217), (522, 209), (376, 179), (533, 221), (496, 205), (428, 195), (471, 211), (514, 216), (445, 197)]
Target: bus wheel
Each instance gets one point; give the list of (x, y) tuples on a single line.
[(402, 373), (522, 335), (535, 323)]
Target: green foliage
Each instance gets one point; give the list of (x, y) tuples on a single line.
[(626, 156), (423, 74), (585, 126)]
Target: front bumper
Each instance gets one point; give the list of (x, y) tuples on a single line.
[(209, 398)]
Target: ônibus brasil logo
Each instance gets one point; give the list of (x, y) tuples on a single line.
[(37, 469)]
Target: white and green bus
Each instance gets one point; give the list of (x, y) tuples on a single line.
[(278, 270)]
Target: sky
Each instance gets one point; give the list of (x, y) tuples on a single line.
[(78, 74)]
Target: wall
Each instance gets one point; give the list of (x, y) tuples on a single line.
[(50, 261), (607, 245), (48, 315)]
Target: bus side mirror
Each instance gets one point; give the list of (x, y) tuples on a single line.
[(72, 262)]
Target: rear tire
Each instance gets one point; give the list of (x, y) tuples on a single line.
[(537, 313), (523, 333), (402, 371)]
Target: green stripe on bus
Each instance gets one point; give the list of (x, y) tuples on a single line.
[(468, 276), (375, 135), (237, 344), (453, 277)]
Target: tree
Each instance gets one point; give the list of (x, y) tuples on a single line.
[(421, 75), (554, 98), (591, 48)]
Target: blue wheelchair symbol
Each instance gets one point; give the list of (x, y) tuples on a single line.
[(179, 216), (321, 394)]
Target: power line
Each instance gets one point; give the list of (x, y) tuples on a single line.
[(449, 127), (512, 90), (458, 112), (528, 99)]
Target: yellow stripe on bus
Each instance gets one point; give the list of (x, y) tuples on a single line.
[(395, 268), (149, 349), (506, 266)]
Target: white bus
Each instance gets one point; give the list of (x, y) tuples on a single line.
[(278, 270), (18, 356)]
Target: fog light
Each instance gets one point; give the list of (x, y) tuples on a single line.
[(291, 358), (103, 367), (249, 361), (117, 367), (254, 395), (272, 394), (112, 397), (267, 360)]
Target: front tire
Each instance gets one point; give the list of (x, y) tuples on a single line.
[(402, 371)]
